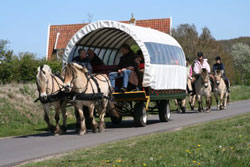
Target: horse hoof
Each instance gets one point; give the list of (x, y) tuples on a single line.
[(101, 129), (64, 129), (183, 109), (81, 133), (95, 130), (63, 132), (56, 134)]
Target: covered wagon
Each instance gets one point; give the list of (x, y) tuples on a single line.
[(164, 76)]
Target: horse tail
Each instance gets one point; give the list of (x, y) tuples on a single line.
[(228, 98)]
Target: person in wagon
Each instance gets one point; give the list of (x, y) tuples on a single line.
[(220, 66), (83, 60), (140, 60), (94, 59), (126, 69)]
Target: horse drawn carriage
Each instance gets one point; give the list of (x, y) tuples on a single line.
[(164, 76)]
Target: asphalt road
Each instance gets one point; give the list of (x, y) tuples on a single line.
[(19, 149)]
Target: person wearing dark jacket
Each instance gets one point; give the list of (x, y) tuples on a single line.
[(94, 59), (83, 60), (220, 66), (126, 67)]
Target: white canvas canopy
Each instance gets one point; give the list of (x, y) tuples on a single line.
[(163, 55)]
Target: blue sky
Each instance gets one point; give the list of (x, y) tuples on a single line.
[(24, 23)]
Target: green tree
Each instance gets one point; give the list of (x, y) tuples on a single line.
[(6, 57), (241, 59), (192, 42), (27, 67), (188, 38)]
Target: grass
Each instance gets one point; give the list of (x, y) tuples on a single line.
[(19, 115), (240, 93), (219, 143)]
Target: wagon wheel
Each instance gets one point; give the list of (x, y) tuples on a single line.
[(116, 120), (140, 115), (164, 111)]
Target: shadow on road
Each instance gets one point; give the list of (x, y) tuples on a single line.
[(71, 128)]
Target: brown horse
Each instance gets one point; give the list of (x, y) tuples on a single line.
[(49, 84), (220, 90), (203, 88), (77, 80)]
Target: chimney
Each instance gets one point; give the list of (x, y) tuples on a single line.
[(132, 21)]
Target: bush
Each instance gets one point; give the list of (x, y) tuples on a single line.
[(21, 68)]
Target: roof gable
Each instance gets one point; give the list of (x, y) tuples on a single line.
[(59, 35)]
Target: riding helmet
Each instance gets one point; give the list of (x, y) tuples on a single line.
[(217, 58), (200, 54)]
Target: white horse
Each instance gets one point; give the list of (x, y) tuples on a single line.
[(77, 80), (220, 90), (49, 84)]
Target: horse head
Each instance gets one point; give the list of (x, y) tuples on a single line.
[(217, 76), (43, 73), (204, 77), (70, 73)]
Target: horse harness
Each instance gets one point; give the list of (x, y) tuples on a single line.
[(55, 96), (91, 96)]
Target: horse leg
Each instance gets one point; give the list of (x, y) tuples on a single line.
[(92, 118), (64, 115), (46, 117), (176, 104), (78, 122), (102, 115), (81, 119), (208, 103), (57, 118), (199, 103), (225, 100), (183, 105), (217, 101), (192, 102), (221, 101)]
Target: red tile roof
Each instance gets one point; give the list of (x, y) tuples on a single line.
[(68, 30)]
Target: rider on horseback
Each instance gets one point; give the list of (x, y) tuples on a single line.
[(199, 64), (220, 66)]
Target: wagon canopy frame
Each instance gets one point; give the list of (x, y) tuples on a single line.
[(164, 58)]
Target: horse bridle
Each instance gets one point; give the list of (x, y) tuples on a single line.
[(202, 79), (74, 77), (53, 77)]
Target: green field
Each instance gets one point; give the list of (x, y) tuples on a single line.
[(19, 115), (224, 143)]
